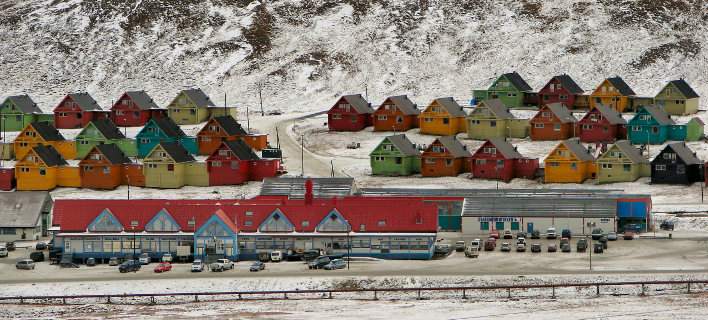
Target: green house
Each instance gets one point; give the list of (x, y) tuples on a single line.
[(395, 156), (678, 98), (492, 119), (166, 166), (19, 111), (103, 131), (190, 107), (622, 162), (510, 88), (694, 129)]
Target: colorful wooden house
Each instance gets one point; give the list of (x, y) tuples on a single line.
[(166, 166), (103, 132), (443, 117), (601, 124), (396, 113), (614, 93), (76, 110), (492, 119), (678, 98), (497, 159), (39, 169), (569, 162), (159, 130), (19, 111), (446, 156), (191, 106), (695, 129), (510, 88), (622, 162), (234, 162), (395, 156), (135, 109), (102, 167), (220, 129), (43, 133), (652, 125), (560, 89), (676, 164), (349, 113), (552, 122)]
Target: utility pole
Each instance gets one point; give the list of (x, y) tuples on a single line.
[(248, 121), (302, 155), (259, 86), (225, 108), (331, 163)]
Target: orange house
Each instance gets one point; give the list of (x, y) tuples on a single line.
[(553, 121), (613, 93), (396, 114), (39, 169), (443, 117), (445, 157), (226, 128), (569, 162), (102, 167), (43, 133)]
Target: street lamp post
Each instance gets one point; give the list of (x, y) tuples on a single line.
[(133, 225), (349, 244), (590, 249)]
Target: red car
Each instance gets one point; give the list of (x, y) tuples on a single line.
[(163, 267), (494, 234)]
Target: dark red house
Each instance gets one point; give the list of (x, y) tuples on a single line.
[(552, 122), (497, 159), (234, 162), (560, 89), (602, 124), (350, 113), (135, 109), (76, 110)]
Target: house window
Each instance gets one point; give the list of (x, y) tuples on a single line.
[(645, 117), (554, 164), (354, 119), (627, 167), (224, 153), (379, 158), (480, 162), (500, 163), (660, 167), (25, 170), (305, 223), (144, 140), (119, 112), (636, 128), (680, 101), (336, 116), (556, 127), (680, 169), (214, 128), (206, 139), (574, 166), (162, 154), (249, 213), (428, 119), (654, 130), (399, 119), (88, 168), (547, 97), (546, 114), (106, 170), (587, 126), (345, 107), (399, 160), (511, 94), (490, 150), (152, 165), (247, 223), (446, 120), (669, 156), (563, 97), (538, 125), (430, 160), (484, 225), (362, 227), (42, 171), (381, 223), (193, 111), (382, 118), (171, 167), (492, 123), (84, 142), (216, 164), (448, 162), (607, 166)]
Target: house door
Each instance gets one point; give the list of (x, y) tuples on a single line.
[(529, 227)]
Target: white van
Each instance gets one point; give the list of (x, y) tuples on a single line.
[(276, 256), (3, 252)]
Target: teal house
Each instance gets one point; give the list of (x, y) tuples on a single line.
[(19, 111), (652, 125), (395, 156), (163, 129), (510, 88), (103, 131)]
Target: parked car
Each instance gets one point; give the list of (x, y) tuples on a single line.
[(536, 234), (521, 247), (565, 233), (667, 225), (521, 234), (310, 255), (603, 241), (490, 244), (521, 240), (26, 264), (318, 263), (336, 264), (144, 258), (276, 256), (91, 262), (508, 234), (564, 241), (612, 236), (40, 246), (3, 252), (167, 257), (582, 245), (552, 247), (472, 252), (628, 235), (597, 233), (636, 228), (505, 247), (565, 247), (163, 267), (10, 246), (257, 266), (494, 234), (476, 243), (536, 248), (460, 246), (129, 266), (221, 265), (551, 233), (37, 256), (197, 265), (113, 261), (597, 248)]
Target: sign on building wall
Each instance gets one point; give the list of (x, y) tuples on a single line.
[(498, 219)]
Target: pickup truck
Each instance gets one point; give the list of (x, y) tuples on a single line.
[(221, 265)]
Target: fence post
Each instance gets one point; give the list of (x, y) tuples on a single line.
[(688, 288), (152, 299), (464, 294), (597, 290), (508, 293), (643, 292), (330, 294), (376, 297), (553, 292), (418, 294), (196, 298), (22, 301), (63, 300), (239, 296), (285, 295), (109, 300)]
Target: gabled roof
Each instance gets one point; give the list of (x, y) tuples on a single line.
[(561, 112), (405, 146), (454, 146), (169, 127), (506, 149), (685, 89), (199, 98), (631, 152), (621, 86), (49, 155), (230, 125), (22, 209), (659, 115), (242, 150), (47, 131), (112, 153), (498, 108), (682, 151), (404, 104), (85, 101), (295, 187), (610, 114), (518, 81), (25, 104), (451, 106), (569, 84), (177, 152), (142, 100), (358, 103), (573, 145), (108, 129)]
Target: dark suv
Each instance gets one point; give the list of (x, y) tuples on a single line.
[(129, 266), (565, 233), (667, 225)]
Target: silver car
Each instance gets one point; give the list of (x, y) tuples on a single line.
[(26, 264)]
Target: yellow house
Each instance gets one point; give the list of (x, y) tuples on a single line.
[(613, 93), (168, 165), (39, 169), (43, 133), (569, 162), (443, 117)]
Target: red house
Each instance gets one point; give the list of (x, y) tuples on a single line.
[(234, 162), (602, 124), (560, 89), (350, 113), (552, 122), (497, 159), (76, 110), (135, 109)]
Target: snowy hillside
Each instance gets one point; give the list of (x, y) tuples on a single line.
[(309, 51)]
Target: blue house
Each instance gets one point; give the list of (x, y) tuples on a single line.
[(652, 125), (164, 129)]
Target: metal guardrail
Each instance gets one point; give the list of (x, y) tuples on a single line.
[(329, 293)]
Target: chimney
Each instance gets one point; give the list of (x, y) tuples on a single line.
[(308, 191)]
